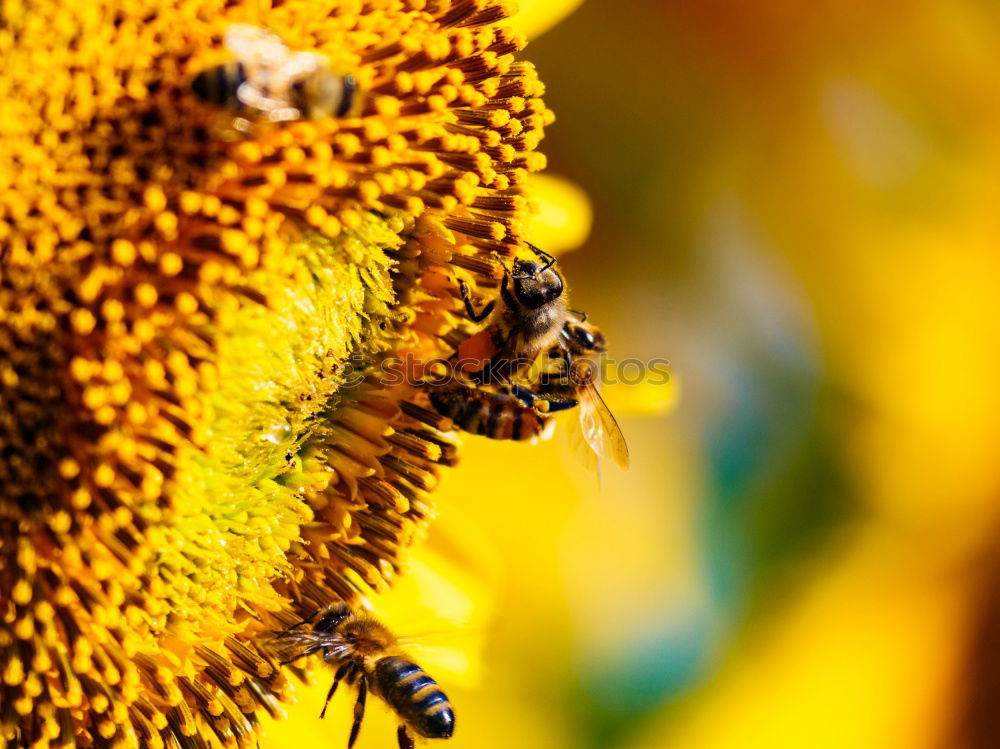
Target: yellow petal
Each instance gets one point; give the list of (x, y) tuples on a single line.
[(647, 398), (535, 17), (562, 214)]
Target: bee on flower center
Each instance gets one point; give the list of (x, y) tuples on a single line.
[(266, 80), (366, 654), (525, 320), (531, 315)]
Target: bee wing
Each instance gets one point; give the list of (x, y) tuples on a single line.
[(270, 68), (300, 64), (253, 46), (600, 429), (581, 448), (290, 645)]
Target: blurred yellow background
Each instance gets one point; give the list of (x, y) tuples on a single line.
[(798, 205)]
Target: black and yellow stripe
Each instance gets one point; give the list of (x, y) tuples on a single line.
[(495, 415), (218, 85), (415, 697)]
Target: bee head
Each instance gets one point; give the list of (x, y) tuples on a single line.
[(535, 285), (330, 619)]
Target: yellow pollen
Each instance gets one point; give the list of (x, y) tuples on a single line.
[(183, 466), (69, 468), (154, 199)]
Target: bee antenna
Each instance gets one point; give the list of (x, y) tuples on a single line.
[(579, 313), (507, 270), (549, 259)]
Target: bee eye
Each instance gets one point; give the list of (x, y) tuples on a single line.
[(332, 618), (585, 338), (525, 268)]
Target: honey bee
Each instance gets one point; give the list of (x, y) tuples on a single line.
[(266, 80), (531, 315), (524, 411), (364, 652), (525, 320)]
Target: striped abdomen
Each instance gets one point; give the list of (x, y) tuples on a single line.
[(415, 697), (218, 85), (498, 416)]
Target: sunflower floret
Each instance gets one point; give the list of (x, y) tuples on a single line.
[(196, 445)]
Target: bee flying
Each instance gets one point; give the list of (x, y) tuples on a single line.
[(365, 653)]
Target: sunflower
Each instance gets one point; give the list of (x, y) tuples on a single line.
[(197, 443)]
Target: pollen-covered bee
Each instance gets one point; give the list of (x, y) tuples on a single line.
[(525, 320), (266, 80), (365, 653), (530, 316), (524, 411)]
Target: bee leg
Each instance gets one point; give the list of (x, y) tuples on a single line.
[(333, 687), (404, 738), (524, 395), (359, 710), (561, 404), (469, 309)]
